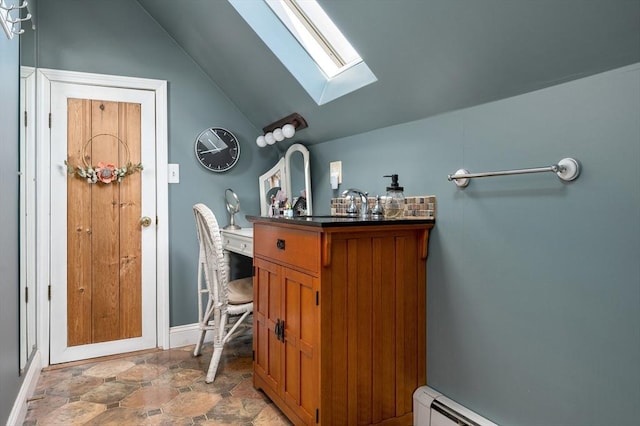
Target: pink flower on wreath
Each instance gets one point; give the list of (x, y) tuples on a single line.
[(106, 172)]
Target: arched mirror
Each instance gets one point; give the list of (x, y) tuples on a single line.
[(298, 179), (292, 175)]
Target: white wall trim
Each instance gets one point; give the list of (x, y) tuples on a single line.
[(188, 334), (43, 192), (19, 410)]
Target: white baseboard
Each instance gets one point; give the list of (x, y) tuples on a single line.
[(185, 335), (19, 410)]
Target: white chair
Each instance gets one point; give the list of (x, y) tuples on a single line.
[(224, 298)]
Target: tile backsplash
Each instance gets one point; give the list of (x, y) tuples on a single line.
[(414, 206)]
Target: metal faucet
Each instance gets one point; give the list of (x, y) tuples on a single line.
[(364, 210)]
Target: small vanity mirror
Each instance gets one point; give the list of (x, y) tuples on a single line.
[(292, 175), (233, 207)]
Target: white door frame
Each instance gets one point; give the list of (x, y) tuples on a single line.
[(43, 190)]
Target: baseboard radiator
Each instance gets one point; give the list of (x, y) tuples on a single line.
[(431, 408)]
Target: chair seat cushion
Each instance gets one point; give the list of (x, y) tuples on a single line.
[(241, 291)]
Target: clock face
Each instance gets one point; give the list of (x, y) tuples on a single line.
[(217, 149)]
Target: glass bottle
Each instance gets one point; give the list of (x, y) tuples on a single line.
[(394, 201)]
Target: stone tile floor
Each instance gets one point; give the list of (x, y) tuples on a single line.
[(155, 388)]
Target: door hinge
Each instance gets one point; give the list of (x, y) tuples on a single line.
[(317, 298), (253, 355), (157, 220), (317, 415), (49, 292), (25, 119), (254, 271), (26, 295), (49, 120)]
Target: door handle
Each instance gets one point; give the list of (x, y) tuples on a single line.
[(145, 221)]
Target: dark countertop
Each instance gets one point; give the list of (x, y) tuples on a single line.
[(326, 221)]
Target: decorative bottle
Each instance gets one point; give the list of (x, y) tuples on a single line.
[(394, 201)]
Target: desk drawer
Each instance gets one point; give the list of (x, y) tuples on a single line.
[(292, 247), (238, 244)]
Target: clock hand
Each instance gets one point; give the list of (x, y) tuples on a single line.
[(216, 150)]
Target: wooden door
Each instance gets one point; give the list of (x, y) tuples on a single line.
[(103, 259), (266, 313), (299, 385)]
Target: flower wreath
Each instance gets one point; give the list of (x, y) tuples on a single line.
[(103, 172)]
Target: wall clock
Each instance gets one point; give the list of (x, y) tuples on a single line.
[(217, 149)]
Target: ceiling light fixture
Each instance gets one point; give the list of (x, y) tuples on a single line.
[(279, 130)]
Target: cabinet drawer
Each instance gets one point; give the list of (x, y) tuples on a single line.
[(300, 249)]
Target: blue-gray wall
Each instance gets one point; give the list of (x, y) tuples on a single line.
[(118, 37), (9, 231), (533, 284)]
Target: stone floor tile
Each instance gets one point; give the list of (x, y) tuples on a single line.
[(40, 407), (109, 368), (178, 377), (109, 393), (118, 417), (168, 358), (191, 404), (239, 410), (50, 378), (238, 365), (142, 373), (167, 420), (150, 397), (223, 383), (75, 413), (271, 416), (196, 362), (74, 386), (245, 389)]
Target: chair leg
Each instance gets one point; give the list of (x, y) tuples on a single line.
[(196, 351), (213, 365)]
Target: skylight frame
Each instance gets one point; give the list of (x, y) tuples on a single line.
[(317, 34)]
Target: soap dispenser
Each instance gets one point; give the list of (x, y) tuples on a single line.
[(394, 201)]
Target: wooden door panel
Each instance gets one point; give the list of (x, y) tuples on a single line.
[(105, 225), (301, 366), (103, 232), (130, 229), (266, 312), (79, 288)]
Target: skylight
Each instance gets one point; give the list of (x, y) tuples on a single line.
[(317, 33), (309, 45)]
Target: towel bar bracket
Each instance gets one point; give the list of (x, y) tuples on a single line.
[(567, 169)]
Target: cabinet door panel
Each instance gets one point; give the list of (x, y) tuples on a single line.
[(301, 367), (267, 296)]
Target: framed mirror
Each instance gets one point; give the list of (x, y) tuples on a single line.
[(298, 179), (270, 183), (292, 174), (27, 214)]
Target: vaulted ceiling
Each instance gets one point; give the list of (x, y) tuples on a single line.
[(430, 56)]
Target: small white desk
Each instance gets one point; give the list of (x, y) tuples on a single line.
[(238, 241)]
